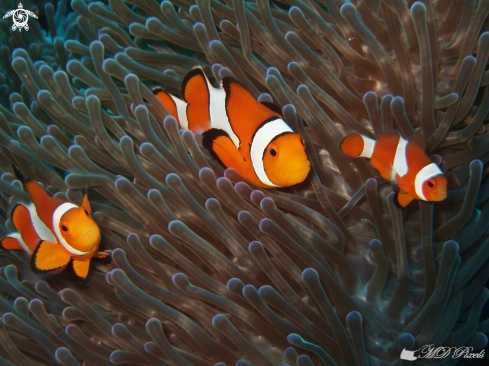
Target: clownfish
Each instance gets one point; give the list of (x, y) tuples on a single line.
[(401, 162), (56, 233), (239, 131)]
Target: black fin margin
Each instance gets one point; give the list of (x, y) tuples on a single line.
[(104, 260), (1, 245), (158, 89), (12, 214), (273, 107), (208, 138), (341, 143), (8, 250), (228, 80), (225, 84), (73, 276), (396, 200), (195, 71), (34, 269)]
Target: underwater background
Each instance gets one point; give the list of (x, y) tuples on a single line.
[(208, 269)]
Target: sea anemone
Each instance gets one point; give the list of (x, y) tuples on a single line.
[(208, 269)]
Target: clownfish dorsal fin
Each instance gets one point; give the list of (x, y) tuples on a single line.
[(193, 85), (238, 95), (238, 88), (389, 134), (86, 204), (418, 140), (36, 192), (157, 89), (273, 107)]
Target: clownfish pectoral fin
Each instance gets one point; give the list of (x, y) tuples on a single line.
[(222, 148), (103, 257), (404, 198), (80, 269), (37, 193), (49, 256)]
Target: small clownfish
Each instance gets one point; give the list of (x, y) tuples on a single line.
[(56, 233), (239, 131), (401, 162)]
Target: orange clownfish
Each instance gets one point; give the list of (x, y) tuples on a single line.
[(56, 233), (239, 131), (401, 162)]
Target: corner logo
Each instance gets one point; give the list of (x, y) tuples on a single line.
[(440, 352), (408, 355), (20, 17)]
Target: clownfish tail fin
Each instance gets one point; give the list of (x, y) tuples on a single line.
[(10, 243), (356, 145)]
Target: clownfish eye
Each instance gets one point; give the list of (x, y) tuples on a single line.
[(431, 183), (87, 212), (64, 228), (273, 152)]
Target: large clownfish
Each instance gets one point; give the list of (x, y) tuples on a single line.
[(401, 162), (239, 131), (56, 233)]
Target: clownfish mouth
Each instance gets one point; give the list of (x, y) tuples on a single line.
[(301, 169), (305, 167), (440, 197)]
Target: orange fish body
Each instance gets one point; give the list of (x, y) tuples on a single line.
[(401, 162), (56, 233), (239, 131)]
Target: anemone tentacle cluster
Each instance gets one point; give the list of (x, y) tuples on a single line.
[(207, 269)]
